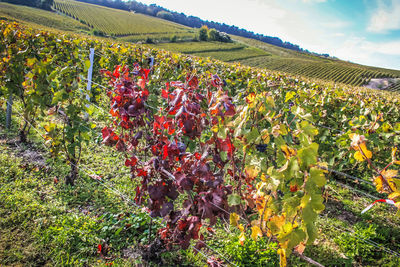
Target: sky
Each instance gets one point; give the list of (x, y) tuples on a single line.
[(361, 31)]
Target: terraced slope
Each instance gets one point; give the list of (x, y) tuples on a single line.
[(221, 51), (312, 66), (120, 23), (41, 17)]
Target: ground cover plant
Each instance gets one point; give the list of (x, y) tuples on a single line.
[(260, 142)]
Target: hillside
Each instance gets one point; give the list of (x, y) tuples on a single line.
[(119, 23), (126, 26), (303, 64)]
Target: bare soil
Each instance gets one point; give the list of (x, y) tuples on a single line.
[(382, 83)]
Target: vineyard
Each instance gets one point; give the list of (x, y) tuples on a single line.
[(41, 18), (312, 66), (394, 87), (179, 160), (131, 27), (120, 23), (221, 51)]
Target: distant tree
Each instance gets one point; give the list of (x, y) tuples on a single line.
[(203, 32), (165, 15), (173, 38), (149, 40), (213, 35)]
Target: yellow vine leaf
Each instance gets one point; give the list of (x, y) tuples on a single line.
[(233, 219), (300, 248), (250, 99), (358, 156), (277, 222), (389, 174), (241, 228), (265, 136), (282, 257), (255, 232), (252, 171), (378, 184), (289, 152), (394, 150), (261, 109), (366, 152), (276, 130), (362, 153), (394, 195), (263, 177), (242, 238)]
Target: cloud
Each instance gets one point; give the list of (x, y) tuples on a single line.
[(338, 34), (314, 1), (386, 48), (362, 51), (386, 17), (336, 24)]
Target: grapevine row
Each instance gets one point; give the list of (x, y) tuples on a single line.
[(248, 140)]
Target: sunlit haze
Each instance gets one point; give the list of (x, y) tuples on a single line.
[(361, 31)]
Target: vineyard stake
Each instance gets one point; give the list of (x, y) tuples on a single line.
[(9, 111), (89, 80)]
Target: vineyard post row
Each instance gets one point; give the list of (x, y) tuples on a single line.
[(289, 153), (94, 176), (9, 111), (127, 200)]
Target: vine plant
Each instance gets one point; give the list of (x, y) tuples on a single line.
[(197, 148)]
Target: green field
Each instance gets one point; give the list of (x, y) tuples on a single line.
[(118, 22)]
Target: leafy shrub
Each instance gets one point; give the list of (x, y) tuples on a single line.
[(98, 33), (203, 33), (173, 38), (149, 40)]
